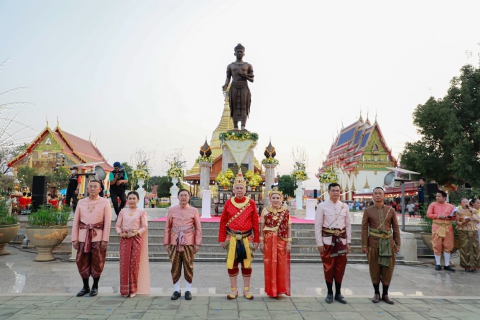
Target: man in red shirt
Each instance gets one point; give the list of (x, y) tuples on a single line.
[(238, 229)]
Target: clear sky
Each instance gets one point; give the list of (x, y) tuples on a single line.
[(148, 74)]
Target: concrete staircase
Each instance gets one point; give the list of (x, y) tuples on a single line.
[(304, 247)]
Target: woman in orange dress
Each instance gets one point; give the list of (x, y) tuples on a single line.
[(275, 244), (132, 227)]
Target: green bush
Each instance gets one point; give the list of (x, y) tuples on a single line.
[(5, 217), (49, 217)]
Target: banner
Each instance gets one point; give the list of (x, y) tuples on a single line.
[(239, 149)]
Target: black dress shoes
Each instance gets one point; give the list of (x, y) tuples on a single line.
[(448, 268), (188, 295), (376, 298), (387, 299), (83, 292), (176, 295), (340, 298), (94, 292), (438, 267), (329, 298)]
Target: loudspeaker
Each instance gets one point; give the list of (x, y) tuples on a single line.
[(431, 190), (39, 192), (315, 193)]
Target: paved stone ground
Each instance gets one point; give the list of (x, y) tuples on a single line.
[(216, 307)]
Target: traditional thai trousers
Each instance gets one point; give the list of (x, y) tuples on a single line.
[(239, 250), (130, 251), (379, 273), (276, 266), (91, 263), (381, 261), (469, 249), (334, 256), (333, 267), (442, 237), (182, 258)]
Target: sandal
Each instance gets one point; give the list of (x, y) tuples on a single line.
[(232, 295), (248, 295), (279, 297), (133, 295)]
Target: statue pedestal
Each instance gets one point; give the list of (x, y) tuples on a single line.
[(141, 194), (310, 209), (205, 168), (299, 195), (206, 203), (408, 250), (269, 180), (174, 193)]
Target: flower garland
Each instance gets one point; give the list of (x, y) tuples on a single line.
[(238, 135), (203, 159), (270, 160)]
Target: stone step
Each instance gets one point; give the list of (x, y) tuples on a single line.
[(216, 248), (213, 239), (220, 257)]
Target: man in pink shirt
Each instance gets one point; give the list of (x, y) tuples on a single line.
[(442, 230), (333, 235), (182, 238), (90, 235)]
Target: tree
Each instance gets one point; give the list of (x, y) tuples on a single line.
[(155, 180), (59, 178), (25, 176), (129, 171), (286, 184), (449, 148), (164, 185)]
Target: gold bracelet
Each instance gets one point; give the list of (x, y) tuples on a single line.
[(261, 238), (289, 239)]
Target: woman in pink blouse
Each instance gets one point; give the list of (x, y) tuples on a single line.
[(132, 227)]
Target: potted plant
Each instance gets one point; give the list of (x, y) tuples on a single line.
[(47, 227), (9, 226)]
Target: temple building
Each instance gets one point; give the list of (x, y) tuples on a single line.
[(54, 148), (192, 176), (359, 155)]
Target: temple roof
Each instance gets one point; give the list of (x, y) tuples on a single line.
[(350, 145), (78, 150)]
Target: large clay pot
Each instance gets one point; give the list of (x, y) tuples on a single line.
[(45, 239), (427, 239), (7, 233)]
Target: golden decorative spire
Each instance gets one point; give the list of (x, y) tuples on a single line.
[(366, 186), (58, 122), (353, 187), (46, 119), (226, 123)]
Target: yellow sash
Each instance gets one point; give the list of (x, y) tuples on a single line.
[(232, 251)]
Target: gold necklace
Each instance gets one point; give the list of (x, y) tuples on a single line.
[(132, 212), (90, 208)]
